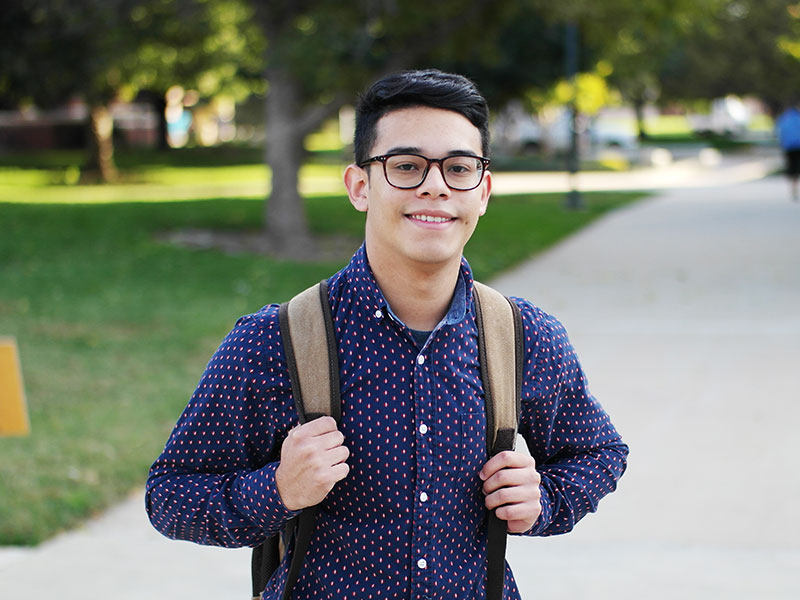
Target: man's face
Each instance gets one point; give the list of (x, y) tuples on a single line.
[(428, 225)]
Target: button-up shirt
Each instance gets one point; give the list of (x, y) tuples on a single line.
[(409, 521)]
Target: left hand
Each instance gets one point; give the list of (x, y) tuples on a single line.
[(511, 484)]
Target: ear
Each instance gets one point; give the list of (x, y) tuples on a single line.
[(356, 181), (486, 191)]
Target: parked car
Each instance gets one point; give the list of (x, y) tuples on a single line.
[(518, 131), (729, 116)]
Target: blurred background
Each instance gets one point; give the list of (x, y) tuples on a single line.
[(168, 165)]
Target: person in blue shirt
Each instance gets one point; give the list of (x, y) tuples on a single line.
[(788, 129), (405, 481)]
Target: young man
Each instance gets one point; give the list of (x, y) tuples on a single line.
[(787, 127), (405, 481)]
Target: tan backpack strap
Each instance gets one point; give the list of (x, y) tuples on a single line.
[(310, 345), (500, 345), (500, 348)]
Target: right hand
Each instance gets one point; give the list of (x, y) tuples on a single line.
[(312, 462)]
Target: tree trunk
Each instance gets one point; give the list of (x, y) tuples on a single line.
[(101, 144), (285, 223), (638, 106), (159, 103)]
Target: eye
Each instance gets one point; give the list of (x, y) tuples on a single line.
[(462, 165), (405, 164)]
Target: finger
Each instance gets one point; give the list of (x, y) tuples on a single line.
[(500, 479), (340, 471), (511, 477), (506, 496), (524, 512), (519, 526), (330, 440), (338, 455), (505, 460), (319, 426)]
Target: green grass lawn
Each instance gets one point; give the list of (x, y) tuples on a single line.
[(114, 327)]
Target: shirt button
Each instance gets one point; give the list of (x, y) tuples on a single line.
[(423, 429), (420, 360), (423, 496), (378, 314), (422, 563)]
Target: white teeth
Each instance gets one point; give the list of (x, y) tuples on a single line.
[(429, 219)]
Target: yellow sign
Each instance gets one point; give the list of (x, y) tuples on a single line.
[(13, 411)]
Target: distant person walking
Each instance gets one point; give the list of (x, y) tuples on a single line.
[(788, 129)]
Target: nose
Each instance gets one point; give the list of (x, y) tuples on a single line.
[(433, 184)]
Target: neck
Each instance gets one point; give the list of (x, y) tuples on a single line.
[(419, 294)]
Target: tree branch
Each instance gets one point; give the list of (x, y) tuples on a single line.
[(310, 120)]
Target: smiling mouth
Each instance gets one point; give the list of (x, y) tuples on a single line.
[(430, 219)]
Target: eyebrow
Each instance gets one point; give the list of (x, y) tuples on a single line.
[(417, 150)]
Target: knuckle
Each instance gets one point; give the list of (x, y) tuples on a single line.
[(502, 477), (306, 453), (504, 496), (321, 479)]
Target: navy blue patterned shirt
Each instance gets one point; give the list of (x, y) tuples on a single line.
[(409, 519)]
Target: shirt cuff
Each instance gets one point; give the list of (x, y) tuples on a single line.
[(257, 498)]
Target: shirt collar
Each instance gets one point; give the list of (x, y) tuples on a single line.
[(359, 272)]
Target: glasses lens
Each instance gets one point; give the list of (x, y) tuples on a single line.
[(462, 172), (405, 170)]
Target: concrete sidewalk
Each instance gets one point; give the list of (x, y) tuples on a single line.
[(685, 311), (695, 167)]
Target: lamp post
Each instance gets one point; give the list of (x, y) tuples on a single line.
[(573, 200)]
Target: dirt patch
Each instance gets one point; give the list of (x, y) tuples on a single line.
[(335, 248)]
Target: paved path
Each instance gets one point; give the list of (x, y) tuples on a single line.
[(697, 167), (685, 311)]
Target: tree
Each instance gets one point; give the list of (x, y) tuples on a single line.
[(319, 52), (209, 46), (102, 50), (747, 50), (631, 39), (645, 40)]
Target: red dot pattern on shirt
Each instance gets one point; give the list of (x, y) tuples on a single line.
[(416, 432)]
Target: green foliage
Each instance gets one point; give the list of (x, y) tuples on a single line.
[(519, 46), (103, 49), (745, 50), (114, 326)]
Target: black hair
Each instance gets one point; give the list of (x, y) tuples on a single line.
[(430, 87)]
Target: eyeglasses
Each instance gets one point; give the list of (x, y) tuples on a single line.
[(461, 172)]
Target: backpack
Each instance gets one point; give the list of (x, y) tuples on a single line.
[(309, 343)]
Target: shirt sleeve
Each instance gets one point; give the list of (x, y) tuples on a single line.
[(579, 454), (214, 483)]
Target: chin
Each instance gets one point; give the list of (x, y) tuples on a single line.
[(435, 256)]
